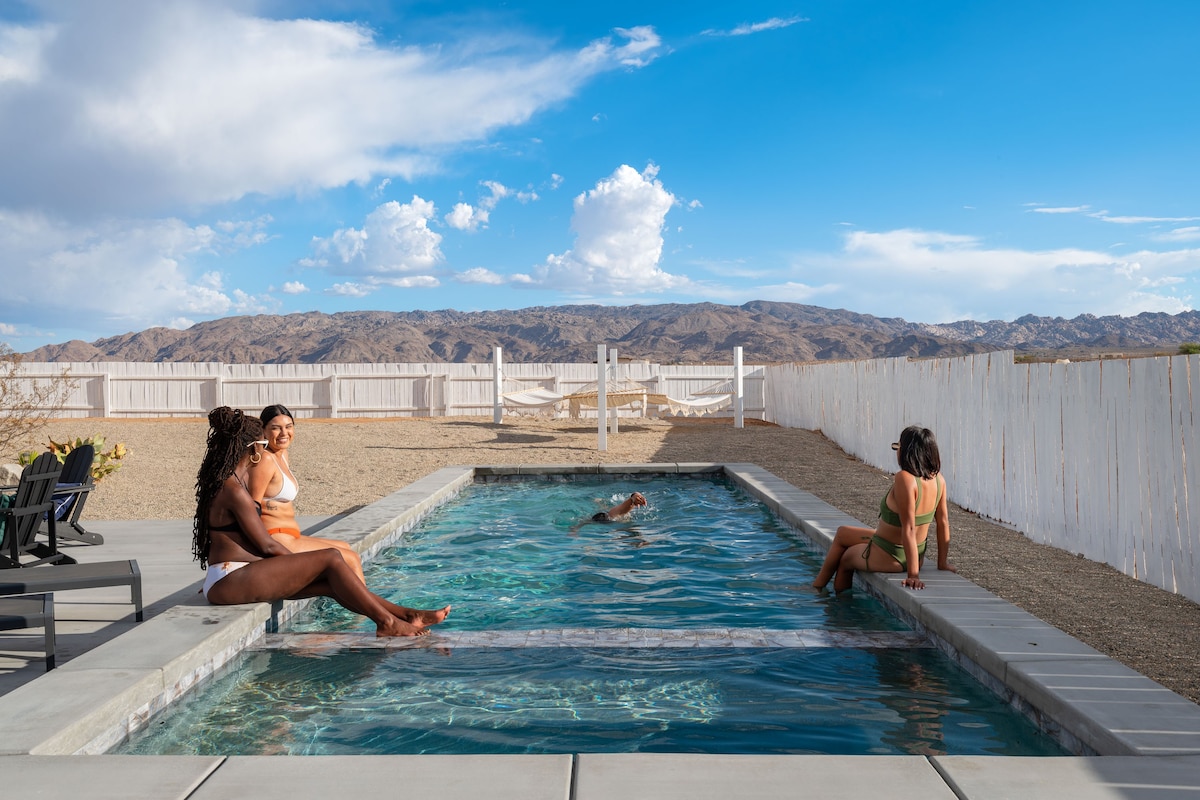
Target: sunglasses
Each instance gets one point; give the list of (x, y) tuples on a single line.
[(262, 442)]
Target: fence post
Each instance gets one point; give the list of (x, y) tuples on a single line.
[(739, 420), (333, 396), (612, 358), (105, 395), (498, 385), (601, 401), (218, 390)]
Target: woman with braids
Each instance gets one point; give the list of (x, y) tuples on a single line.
[(916, 498), (246, 565), (274, 487)]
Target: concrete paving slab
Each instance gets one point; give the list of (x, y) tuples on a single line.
[(1109, 706), (495, 777), (104, 777), (1099, 778), (661, 776)]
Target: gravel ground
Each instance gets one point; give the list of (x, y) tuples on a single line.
[(345, 464)]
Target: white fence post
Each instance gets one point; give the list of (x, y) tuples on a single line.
[(616, 366), (601, 401), (498, 385), (738, 406)]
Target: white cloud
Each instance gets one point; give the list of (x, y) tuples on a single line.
[(293, 287), (619, 241), (7, 330), (394, 243), (1106, 217), (930, 275), (348, 289), (464, 217), (747, 28), (1188, 234), (126, 275), (144, 103), (1060, 209), (480, 275)]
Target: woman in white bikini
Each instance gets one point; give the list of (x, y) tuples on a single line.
[(246, 565), (274, 487), (916, 498)]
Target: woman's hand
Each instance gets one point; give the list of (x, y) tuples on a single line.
[(913, 582)]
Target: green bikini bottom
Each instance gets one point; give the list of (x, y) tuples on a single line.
[(896, 551)]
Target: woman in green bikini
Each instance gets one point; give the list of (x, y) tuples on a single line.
[(917, 498)]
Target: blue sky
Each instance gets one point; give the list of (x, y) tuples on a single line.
[(164, 163)]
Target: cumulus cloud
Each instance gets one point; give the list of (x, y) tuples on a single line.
[(127, 275), (480, 275), (464, 217), (619, 241), (394, 245), (293, 287), (938, 276), (144, 103), (348, 289)]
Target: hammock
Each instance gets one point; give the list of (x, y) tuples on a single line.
[(618, 394), (530, 400)]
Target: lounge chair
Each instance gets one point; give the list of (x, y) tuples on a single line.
[(35, 611), (74, 486)]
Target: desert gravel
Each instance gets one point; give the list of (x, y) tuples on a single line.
[(345, 464)]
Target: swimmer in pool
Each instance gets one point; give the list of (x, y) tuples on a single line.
[(617, 512)]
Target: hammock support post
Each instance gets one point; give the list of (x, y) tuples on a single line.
[(601, 401), (497, 385), (612, 359), (738, 406)]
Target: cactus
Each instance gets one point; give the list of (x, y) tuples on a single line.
[(104, 464)]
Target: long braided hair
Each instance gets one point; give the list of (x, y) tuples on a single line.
[(230, 432)]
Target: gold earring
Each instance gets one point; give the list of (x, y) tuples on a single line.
[(255, 457)]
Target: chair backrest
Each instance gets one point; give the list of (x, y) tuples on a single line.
[(32, 500), (77, 466)]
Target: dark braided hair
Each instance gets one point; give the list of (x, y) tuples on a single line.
[(230, 432)]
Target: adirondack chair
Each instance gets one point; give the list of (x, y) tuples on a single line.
[(74, 486), (32, 502)]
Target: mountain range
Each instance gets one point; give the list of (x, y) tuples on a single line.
[(768, 332)]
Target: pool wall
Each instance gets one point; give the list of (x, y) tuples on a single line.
[(1090, 703)]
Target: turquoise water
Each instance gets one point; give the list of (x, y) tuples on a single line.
[(511, 556), (701, 554)]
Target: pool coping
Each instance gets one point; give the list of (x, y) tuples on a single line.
[(1090, 703)]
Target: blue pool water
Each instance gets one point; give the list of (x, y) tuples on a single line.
[(511, 558)]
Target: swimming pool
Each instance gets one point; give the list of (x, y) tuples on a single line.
[(669, 633)]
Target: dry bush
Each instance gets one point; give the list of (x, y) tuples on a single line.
[(27, 404)]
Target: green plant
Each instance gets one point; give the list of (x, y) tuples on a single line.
[(1189, 349), (105, 462)]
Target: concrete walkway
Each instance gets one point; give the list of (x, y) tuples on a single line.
[(90, 621)]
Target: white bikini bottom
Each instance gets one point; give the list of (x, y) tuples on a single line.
[(218, 571)]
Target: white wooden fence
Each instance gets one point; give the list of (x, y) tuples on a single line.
[(122, 389), (1100, 458), (1090, 457)]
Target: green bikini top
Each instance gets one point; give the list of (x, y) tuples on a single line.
[(892, 518)]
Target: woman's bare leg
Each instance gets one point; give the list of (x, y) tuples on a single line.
[(847, 536), (306, 544), (319, 572)]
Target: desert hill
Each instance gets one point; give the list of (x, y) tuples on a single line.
[(768, 332)]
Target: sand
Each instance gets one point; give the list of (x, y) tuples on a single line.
[(345, 464)]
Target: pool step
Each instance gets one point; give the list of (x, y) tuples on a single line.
[(600, 637)]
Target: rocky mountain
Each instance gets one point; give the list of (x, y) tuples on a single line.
[(768, 332)]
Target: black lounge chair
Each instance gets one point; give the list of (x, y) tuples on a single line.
[(74, 486), (35, 611)]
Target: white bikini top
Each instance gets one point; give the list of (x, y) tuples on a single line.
[(288, 491)]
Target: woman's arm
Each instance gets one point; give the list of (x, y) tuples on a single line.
[(905, 493), (941, 518), (261, 476), (244, 510)]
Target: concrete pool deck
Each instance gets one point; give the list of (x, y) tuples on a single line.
[(1146, 737)]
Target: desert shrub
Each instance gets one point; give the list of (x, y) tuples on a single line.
[(27, 404), (1189, 348), (105, 462)]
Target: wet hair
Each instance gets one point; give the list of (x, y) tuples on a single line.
[(230, 434), (271, 412), (919, 452)]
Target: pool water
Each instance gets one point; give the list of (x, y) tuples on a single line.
[(840, 676), (514, 556)]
